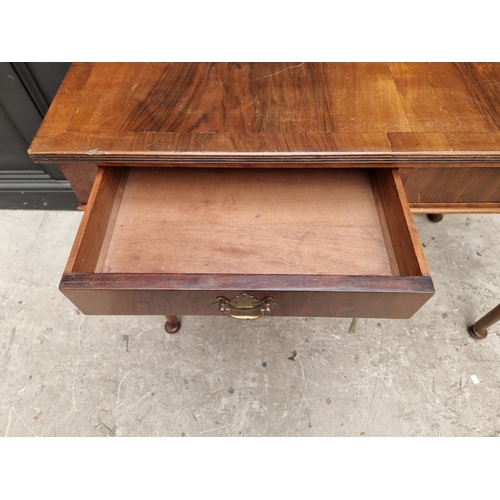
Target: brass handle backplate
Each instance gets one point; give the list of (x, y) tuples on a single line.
[(245, 306)]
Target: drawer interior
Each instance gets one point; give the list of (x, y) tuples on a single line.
[(321, 222)]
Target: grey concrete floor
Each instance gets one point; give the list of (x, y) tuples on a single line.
[(66, 374)]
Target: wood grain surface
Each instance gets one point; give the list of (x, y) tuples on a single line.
[(226, 221), (142, 220), (81, 176), (251, 113), (327, 296), (403, 236), (453, 185), (455, 208), (95, 224)]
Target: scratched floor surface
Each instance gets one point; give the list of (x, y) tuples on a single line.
[(65, 374)]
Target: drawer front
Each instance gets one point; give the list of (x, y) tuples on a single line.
[(349, 297), (328, 243)]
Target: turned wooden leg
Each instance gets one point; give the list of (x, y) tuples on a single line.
[(478, 329), (435, 217), (172, 324)]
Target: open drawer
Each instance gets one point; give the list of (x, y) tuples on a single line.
[(284, 242)]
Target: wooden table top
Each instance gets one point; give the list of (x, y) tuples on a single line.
[(288, 113)]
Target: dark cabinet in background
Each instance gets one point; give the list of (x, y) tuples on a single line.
[(26, 91)]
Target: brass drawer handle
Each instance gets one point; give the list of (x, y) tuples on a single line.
[(245, 306)]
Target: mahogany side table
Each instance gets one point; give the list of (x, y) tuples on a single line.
[(251, 189)]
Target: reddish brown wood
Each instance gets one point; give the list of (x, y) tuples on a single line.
[(444, 97), (81, 176), (440, 122), (481, 80), (453, 185), (402, 142), (172, 324), (455, 208), (402, 231), (65, 104), (322, 296), (398, 295), (272, 221), (89, 241), (236, 282), (479, 329), (305, 113), (283, 115), (305, 220)]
